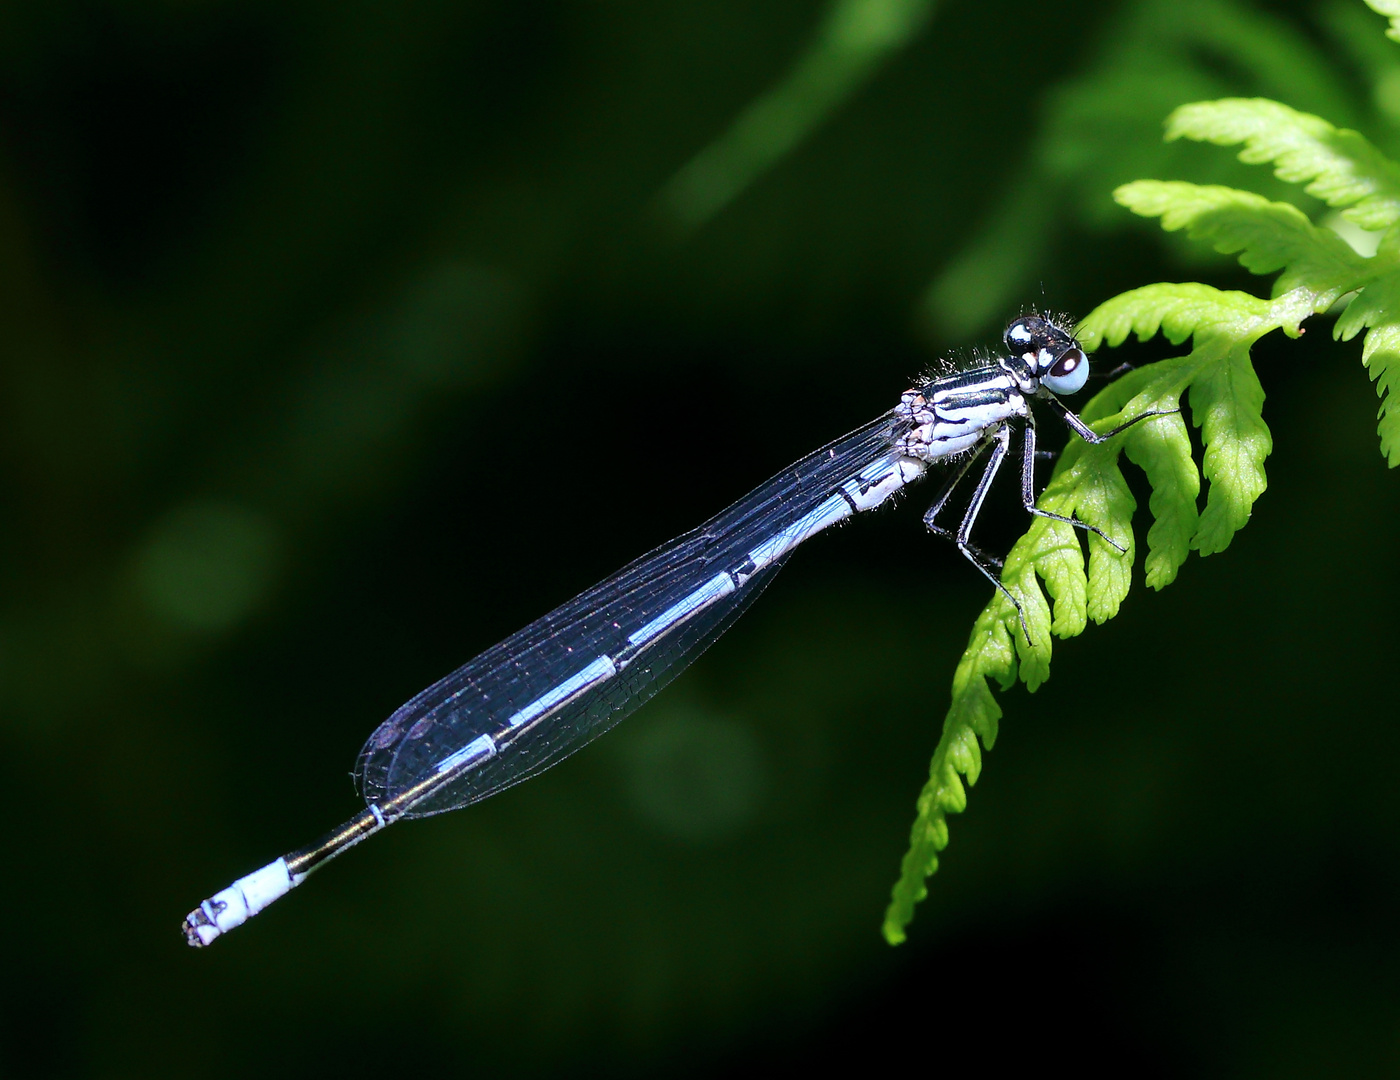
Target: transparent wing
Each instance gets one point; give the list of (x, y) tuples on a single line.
[(480, 697), (583, 719)]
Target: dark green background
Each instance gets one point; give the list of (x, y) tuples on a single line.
[(340, 340)]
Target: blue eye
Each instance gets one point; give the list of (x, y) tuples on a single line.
[(1067, 374)]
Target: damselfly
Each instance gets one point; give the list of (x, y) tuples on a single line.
[(538, 696)]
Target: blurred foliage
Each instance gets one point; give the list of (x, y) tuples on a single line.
[(1101, 129), (855, 36), (343, 340)]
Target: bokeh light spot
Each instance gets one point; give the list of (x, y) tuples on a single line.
[(207, 565), (696, 777)]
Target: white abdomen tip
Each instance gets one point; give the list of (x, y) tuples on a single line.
[(237, 904)]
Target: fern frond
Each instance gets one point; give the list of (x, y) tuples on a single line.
[(1377, 310), (1391, 10), (1090, 486), (1163, 453), (1268, 236), (974, 715), (1215, 382), (1338, 166), (1228, 405), (1178, 310)]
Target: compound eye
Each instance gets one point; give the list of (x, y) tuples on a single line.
[(1068, 374)]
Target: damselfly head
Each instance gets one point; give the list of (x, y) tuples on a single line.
[(1050, 351)]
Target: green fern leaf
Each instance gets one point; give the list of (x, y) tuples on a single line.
[(1227, 403), (1177, 310), (1391, 10), (1034, 643), (1060, 563), (1163, 449), (1218, 383), (1338, 166), (973, 715), (1268, 236), (1089, 485), (1377, 310), (1163, 452)]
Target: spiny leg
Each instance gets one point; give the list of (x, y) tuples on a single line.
[(944, 494), (1001, 441), (1028, 456), (1085, 432)]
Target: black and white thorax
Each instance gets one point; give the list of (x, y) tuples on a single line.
[(962, 411)]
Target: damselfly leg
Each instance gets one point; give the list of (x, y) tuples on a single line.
[(999, 440), (931, 516), (1028, 492)]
